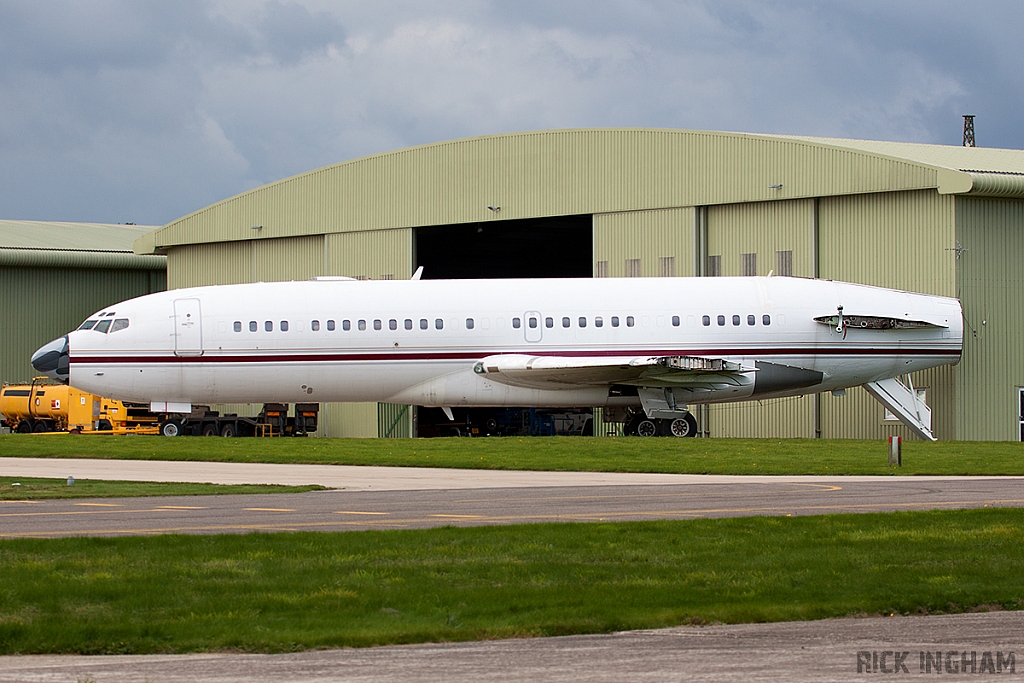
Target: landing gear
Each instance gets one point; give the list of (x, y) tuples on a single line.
[(638, 424)]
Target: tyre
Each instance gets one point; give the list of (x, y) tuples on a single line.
[(40, 427), (228, 430), (646, 428), (683, 426), (24, 427), (170, 428), (210, 429)]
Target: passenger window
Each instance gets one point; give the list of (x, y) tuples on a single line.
[(238, 326), (751, 320), (377, 325), (533, 323), (102, 326), (721, 320), (423, 323), (315, 326), (439, 324), (549, 322), (284, 325), (598, 322), (735, 320), (392, 324), (516, 323), (766, 320), (362, 325), (705, 320), (675, 321), (268, 325), (253, 326), (408, 324), (565, 322), (629, 321), (583, 321), (469, 323), (615, 321), (87, 325), (330, 326), (346, 325)]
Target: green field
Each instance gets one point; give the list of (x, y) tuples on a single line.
[(29, 488), (281, 592), (622, 454)]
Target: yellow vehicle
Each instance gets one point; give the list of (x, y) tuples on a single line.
[(43, 406)]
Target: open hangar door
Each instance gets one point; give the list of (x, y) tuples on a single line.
[(558, 246)]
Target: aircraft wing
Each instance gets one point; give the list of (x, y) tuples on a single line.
[(560, 372)]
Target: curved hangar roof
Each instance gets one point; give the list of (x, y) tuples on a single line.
[(566, 172), (50, 244)]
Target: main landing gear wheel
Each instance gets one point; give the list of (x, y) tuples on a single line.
[(646, 428), (683, 426)]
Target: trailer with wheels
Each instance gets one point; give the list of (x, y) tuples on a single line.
[(272, 420)]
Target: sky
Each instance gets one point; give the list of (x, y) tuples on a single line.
[(140, 111)]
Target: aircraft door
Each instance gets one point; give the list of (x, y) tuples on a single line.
[(533, 326), (188, 328)]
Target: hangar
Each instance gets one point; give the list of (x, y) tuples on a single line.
[(640, 203), (53, 275)]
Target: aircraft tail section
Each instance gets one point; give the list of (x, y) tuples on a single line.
[(904, 404)]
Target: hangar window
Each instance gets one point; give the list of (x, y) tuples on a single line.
[(87, 325), (748, 265), (735, 320), (766, 320), (583, 321), (667, 266), (237, 326), (598, 322), (119, 324), (705, 320), (629, 321), (362, 325), (284, 325), (675, 321), (615, 321), (549, 322), (721, 320), (330, 326), (714, 266), (408, 324), (392, 324), (253, 326), (565, 322), (423, 323), (784, 262), (516, 323), (633, 267), (268, 325), (315, 326), (751, 320), (469, 323), (377, 325), (602, 269)]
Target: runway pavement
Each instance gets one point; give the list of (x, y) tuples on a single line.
[(408, 498), (967, 647)]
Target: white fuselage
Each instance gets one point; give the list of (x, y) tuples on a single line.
[(274, 342)]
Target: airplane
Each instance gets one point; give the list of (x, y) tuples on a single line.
[(654, 346)]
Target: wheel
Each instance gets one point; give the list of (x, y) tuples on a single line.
[(210, 429), (40, 427), (170, 428), (228, 430), (74, 430), (491, 425), (24, 427), (683, 426), (105, 426), (646, 428)]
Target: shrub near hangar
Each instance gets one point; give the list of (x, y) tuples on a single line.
[(636, 202)]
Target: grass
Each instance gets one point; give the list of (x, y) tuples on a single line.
[(30, 488), (623, 454), (283, 592)]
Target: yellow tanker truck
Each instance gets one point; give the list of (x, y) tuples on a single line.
[(47, 407)]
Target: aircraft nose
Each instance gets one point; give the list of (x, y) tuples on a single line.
[(52, 359)]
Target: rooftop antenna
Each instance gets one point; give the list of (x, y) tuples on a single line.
[(969, 130)]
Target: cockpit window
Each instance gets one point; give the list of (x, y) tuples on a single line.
[(87, 325), (102, 325), (119, 324)]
